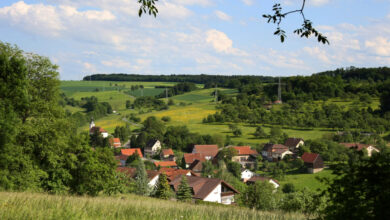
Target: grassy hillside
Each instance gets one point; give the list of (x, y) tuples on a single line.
[(43, 206)]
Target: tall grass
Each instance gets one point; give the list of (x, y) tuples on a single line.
[(43, 206)]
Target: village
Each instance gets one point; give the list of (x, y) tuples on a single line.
[(192, 165)]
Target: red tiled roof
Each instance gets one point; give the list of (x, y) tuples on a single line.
[(274, 147), (189, 158), (309, 157), (167, 152), (172, 173), (206, 150), (115, 142), (130, 151), (165, 163), (196, 166), (355, 145), (245, 150)]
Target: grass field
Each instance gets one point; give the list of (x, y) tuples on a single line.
[(43, 206), (302, 180)]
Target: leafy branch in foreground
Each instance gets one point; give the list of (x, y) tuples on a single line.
[(148, 6), (307, 27)]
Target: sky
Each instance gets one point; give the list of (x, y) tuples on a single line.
[(196, 36)]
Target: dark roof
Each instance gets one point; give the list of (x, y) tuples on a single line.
[(292, 142), (172, 173), (309, 157), (150, 143), (201, 186), (206, 150), (196, 166), (131, 172)]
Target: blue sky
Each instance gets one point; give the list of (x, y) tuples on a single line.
[(196, 36)]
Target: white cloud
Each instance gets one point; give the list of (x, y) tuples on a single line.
[(171, 10), (194, 2), (379, 45), (318, 53), (222, 43), (248, 2), (223, 16), (88, 67), (318, 2), (116, 63), (37, 18)]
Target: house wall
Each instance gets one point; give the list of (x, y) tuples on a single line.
[(276, 185), (247, 174), (311, 170), (153, 182), (104, 134), (215, 195), (227, 200), (371, 149)]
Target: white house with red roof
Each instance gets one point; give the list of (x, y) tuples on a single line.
[(115, 142), (245, 156), (131, 151), (93, 129), (275, 152)]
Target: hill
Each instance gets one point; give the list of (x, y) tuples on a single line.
[(44, 206)]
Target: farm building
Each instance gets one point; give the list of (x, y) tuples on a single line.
[(313, 162)]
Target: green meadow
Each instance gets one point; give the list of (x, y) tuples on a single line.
[(189, 109), (43, 206)]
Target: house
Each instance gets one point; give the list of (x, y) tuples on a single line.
[(246, 174), (167, 155), (131, 151), (254, 179), (294, 143), (275, 152), (369, 148), (115, 142), (172, 173), (313, 162), (165, 164), (103, 132), (152, 147), (197, 166), (122, 160), (208, 151), (190, 158), (131, 173), (245, 156), (208, 189)]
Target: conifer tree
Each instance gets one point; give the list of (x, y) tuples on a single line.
[(184, 190), (142, 180), (163, 190)]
